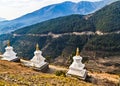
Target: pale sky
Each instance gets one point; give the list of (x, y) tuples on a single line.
[(11, 9)]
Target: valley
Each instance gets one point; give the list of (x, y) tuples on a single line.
[(97, 35)]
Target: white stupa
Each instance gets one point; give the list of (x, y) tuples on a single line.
[(38, 61), (77, 68), (9, 54)]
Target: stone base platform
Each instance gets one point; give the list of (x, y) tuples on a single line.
[(78, 74), (11, 60), (43, 68), (15, 60)]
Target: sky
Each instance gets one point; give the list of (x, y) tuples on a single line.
[(11, 9)]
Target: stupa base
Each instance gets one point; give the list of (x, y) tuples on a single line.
[(37, 67), (15, 60), (11, 60), (44, 68), (81, 74)]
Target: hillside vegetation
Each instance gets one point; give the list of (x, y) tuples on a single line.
[(104, 20), (109, 43), (54, 47), (66, 24), (108, 18), (60, 50), (52, 11)]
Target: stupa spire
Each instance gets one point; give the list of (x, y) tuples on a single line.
[(77, 52), (37, 47), (8, 43)]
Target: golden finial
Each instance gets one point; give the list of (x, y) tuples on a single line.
[(77, 52), (8, 43), (37, 46)]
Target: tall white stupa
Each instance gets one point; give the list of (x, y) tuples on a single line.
[(9, 54), (38, 61), (77, 68)]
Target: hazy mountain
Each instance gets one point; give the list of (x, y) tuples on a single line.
[(52, 11), (2, 19), (105, 20)]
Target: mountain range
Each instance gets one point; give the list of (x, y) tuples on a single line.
[(59, 37), (52, 11), (105, 20)]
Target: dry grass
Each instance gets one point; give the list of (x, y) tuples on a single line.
[(110, 77), (13, 74)]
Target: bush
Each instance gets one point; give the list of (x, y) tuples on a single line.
[(60, 73)]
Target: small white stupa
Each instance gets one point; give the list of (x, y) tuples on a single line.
[(77, 68), (9, 54), (38, 61)]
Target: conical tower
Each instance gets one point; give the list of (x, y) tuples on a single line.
[(38, 59), (77, 67), (9, 54)]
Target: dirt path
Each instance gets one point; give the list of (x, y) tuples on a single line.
[(57, 68), (110, 77)]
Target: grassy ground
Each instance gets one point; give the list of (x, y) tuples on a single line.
[(13, 74)]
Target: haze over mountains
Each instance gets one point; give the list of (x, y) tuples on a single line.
[(104, 20), (52, 11), (2, 19)]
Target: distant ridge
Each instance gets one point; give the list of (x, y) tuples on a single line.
[(105, 20), (52, 11), (2, 19)]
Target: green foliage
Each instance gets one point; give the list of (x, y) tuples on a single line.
[(5, 37), (105, 20), (25, 45), (64, 44), (108, 18), (106, 43), (65, 24), (60, 73)]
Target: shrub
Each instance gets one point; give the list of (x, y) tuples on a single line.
[(60, 73)]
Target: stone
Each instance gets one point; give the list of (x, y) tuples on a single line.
[(77, 67)]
